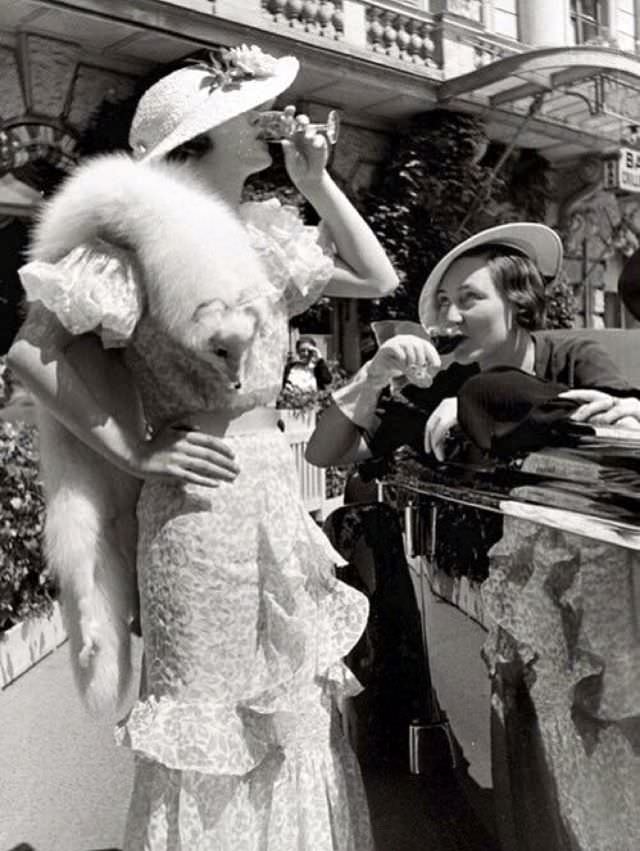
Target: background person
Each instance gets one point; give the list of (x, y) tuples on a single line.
[(308, 371)]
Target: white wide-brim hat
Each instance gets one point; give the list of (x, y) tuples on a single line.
[(538, 242), (197, 98)]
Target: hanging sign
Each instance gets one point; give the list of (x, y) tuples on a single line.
[(622, 171)]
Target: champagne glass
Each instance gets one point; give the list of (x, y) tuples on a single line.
[(445, 339), (276, 126)]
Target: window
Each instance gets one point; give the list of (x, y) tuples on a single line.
[(587, 20), (467, 8), (626, 25), (505, 18)]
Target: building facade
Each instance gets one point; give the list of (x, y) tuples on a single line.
[(559, 76)]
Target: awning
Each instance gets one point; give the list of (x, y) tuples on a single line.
[(581, 97)]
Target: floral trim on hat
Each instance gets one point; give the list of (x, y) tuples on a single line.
[(229, 68)]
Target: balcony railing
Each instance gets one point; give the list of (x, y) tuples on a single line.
[(323, 18), (448, 44), (400, 35)]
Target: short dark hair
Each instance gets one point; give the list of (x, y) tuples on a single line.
[(305, 339), (516, 275), (192, 149)]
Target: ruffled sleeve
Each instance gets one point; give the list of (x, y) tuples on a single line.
[(298, 258), (92, 288)]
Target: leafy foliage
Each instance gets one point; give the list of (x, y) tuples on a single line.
[(561, 303), (425, 193), (444, 183), (6, 383), (26, 588)]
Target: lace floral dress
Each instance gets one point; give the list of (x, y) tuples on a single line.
[(237, 736)]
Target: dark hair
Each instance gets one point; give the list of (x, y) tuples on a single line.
[(519, 279), (192, 149), (305, 339)]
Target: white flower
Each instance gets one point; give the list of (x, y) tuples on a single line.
[(252, 60)]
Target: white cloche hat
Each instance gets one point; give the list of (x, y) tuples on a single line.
[(194, 99), (538, 242)]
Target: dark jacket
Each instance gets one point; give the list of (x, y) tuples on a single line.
[(565, 360), (321, 373)]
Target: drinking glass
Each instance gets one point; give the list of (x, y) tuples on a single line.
[(445, 338), (276, 126)]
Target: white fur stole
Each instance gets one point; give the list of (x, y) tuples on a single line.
[(199, 274)]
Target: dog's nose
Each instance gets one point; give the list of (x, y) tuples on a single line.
[(237, 385)]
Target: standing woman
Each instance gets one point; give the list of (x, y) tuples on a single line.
[(236, 734)]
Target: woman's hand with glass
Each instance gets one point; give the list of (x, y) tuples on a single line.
[(306, 152), (408, 355)]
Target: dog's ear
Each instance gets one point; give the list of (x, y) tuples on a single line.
[(209, 310)]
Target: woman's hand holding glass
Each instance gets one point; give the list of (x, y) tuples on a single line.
[(306, 152), (407, 355), (181, 453)]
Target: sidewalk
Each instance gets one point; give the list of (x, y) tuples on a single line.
[(64, 785)]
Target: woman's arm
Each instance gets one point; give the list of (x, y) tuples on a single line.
[(594, 374), (336, 440), (362, 269), (41, 358), (600, 408), (338, 436)]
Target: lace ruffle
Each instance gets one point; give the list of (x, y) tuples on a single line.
[(93, 287), (298, 258), (307, 794), (192, 735), (310, 621)]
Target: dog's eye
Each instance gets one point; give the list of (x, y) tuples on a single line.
[(221, 352)]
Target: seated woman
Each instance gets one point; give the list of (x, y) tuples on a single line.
[(491, 289)]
